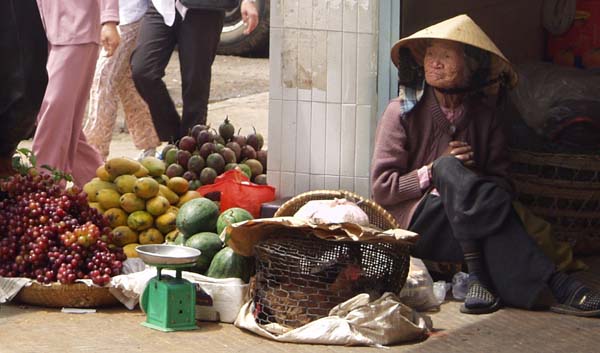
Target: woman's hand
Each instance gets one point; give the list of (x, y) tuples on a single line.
[(249, 15), (462, 151), (109, 37)]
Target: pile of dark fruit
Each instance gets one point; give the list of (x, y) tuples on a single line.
[(205, 153)]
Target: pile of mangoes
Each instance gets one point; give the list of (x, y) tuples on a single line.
[(138, 199)]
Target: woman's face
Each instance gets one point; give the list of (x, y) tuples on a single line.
[(445, 65)]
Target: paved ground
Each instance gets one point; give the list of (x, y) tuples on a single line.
[(35, 330)]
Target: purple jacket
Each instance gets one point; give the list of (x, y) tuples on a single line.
[(76, 21)]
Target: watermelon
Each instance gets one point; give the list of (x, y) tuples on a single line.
[(231, 216), (197, 215), (228, 264), (209, 244)]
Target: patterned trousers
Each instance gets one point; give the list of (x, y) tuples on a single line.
[(113, 83)]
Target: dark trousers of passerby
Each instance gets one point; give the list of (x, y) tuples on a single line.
[(23, 76), (196, 37), (474, 208)]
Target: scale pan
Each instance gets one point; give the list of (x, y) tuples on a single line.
[(167, 254)]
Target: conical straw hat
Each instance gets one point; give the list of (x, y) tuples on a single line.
[(459, 29)]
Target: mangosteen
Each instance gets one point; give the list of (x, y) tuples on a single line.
[(228, 155), (236, 148), (262, 158), (187, 143), (226, 129), (248, 152), (202, 137), (239, 139), (207, 149), (183, 157)]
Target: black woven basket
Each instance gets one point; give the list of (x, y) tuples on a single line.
[(564, 189), (300, 279)]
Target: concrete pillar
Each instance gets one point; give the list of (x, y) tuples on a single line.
[(322, 96)]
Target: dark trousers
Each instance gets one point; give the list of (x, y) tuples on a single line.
[(471, 207), (23, 76), (196, 38)]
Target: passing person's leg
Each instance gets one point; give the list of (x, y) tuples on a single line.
[(137, 114), (59, 140), (155, 45), (198, 39)]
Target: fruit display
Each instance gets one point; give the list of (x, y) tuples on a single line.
[(49, 233), (206, 153), (139, 201)]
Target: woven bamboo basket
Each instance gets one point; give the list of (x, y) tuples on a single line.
[(56, 295), (378, 216), (564, 189), (299, 279)]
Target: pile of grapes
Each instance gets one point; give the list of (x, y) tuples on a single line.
[(50, 234)]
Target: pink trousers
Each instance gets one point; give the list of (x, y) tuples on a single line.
[(59, 140)]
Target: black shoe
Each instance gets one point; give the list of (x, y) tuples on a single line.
[(480, 300), (583, 302)]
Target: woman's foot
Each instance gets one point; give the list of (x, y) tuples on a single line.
[(582, 302), (480, 299), (148, 152)]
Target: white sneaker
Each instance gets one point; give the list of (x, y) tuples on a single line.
[(148, 152)]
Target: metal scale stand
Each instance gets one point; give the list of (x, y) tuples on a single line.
[(169, 302)]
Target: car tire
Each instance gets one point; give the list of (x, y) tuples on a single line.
[(235, 42)]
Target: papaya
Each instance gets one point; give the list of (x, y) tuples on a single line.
[(171, 236), (146, 188), (179, 185), (168, 194), (123, 235), (157, 205), (166, 222), (155, 166), (108, 198), (116, 217), (197, 215), (140, 220), (129, 250), (103, 175), (125, 183), (92, 187), (142, 172), (130, 202), (121, 165), (151, 236)]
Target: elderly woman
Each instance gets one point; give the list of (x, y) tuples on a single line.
[(440, 165)]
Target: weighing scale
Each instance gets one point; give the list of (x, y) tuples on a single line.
[(169, 302)]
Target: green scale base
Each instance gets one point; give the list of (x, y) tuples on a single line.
[(169, 303)]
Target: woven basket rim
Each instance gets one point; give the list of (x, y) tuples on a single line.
[(288, 208), (66, 295)]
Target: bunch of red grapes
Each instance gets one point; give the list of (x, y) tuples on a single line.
[(50, 234)]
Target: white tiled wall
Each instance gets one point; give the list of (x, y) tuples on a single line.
[(323, 79)]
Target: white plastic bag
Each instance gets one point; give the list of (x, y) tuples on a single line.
[(333, 211), (357, 321), (418, 289)]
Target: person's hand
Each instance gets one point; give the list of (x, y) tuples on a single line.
[(462, 151), (109, 38), (249, 15)]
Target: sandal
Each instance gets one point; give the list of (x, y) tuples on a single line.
[(583, 302), (480, 300)]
